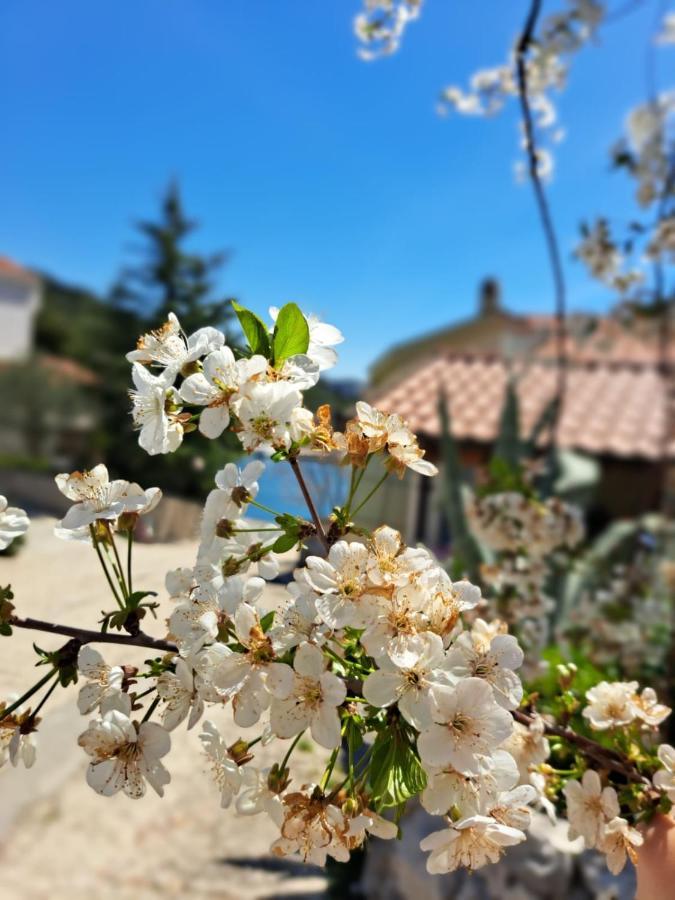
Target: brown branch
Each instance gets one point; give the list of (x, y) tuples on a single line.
[(522, 49), (92, 637), (608, 759), (318, 524)]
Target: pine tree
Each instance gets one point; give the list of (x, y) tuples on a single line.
[(170, 278)]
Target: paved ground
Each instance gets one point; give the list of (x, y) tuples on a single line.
[(61, 841)]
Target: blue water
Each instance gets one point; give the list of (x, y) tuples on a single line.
[(328, 484)]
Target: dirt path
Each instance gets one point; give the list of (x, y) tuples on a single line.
[(61, 841)]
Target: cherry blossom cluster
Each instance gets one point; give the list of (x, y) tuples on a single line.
[(621, 619), (381, 25), (376, 654), (260, 401), (603, 258), (13, 523), (646, 153), (601, 808), (561, 35), (525, 537)]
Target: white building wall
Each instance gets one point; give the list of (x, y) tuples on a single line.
[(19, 302)]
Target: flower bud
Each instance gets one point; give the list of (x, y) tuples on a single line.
[(224, 528)]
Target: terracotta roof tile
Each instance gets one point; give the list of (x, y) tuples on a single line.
[(610, 408), (10, 269)]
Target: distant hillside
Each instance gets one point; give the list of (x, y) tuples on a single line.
[(75, 323)]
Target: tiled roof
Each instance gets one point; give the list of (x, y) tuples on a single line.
[(60, 369), (616, 408), (12, 270)]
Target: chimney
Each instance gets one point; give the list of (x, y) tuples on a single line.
[(489, 295)]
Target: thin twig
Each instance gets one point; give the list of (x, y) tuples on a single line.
[(608, 759), (92, 637), (522, 49), (318, 524), (104, 567)]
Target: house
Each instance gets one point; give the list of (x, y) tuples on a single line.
[(47, 405), (20, 298), (617, 407)]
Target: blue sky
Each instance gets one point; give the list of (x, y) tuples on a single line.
[(333, 181)]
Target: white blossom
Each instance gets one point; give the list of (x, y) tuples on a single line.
[(611, 704), (341, 583), (470, 843), (528, 746), (471, 794), (482, 654), (468, 725), (156, 410), (125, 755), (104, 682), (618, 841), (251, 678), (256, 795), (265, 414), (238, 487), (664, 779), (17, 736), (13, 523), (218, 386), (312, 827), (589, 807), (648, 708), (224, 769), (412, 686), (179, 692), (313, 702), (95, 497), (169, 347)]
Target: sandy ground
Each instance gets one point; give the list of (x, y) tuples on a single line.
[(60, 840)]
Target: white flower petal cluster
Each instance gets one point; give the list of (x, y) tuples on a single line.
[(261, 403), (603, 258), (561, 35), (103, 690), (525, 535), (13, 523), (18, 742), (95, 497), (378, 430), (594, 814), (225, 770), (647, 129), (381, 25), (664, 779), (511, 521), (179, 693), (170, 348), (125, 755), (616, 704), (312, 702), (590, 806)]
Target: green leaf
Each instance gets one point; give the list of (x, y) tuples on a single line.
[(5, 630), (508, 445), (134, 600), (285, 542), (267, 621), (396, 773), (465, 548), (291, 333), (255, 330)]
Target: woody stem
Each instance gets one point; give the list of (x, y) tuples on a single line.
[(608, 759), (318, 524), (92, 637)]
